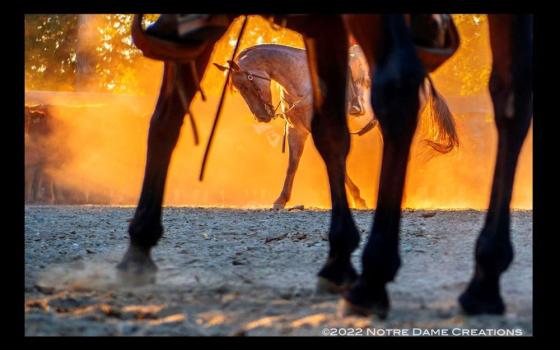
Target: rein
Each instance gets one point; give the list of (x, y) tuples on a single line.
[(221, 104)]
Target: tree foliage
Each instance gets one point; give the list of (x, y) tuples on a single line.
[(51, 43)]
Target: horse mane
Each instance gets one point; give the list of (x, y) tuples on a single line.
[(267, 46), (254, 48)]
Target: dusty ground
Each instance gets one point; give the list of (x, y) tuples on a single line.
[(250, 272)]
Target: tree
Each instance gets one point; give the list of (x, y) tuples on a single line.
[(55, 44)]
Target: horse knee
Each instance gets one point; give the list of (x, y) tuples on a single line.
[(492, 254)]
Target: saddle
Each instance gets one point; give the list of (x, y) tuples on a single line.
[(176, 37), (183, 37)]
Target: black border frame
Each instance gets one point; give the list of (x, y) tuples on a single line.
[(542, 223)]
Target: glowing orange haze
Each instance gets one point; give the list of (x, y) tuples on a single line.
[(246, 167)]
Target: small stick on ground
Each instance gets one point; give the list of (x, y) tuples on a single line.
[(277, 238)]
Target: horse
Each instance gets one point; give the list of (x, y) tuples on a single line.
[(402, 49), (40, 187), (256, 67)]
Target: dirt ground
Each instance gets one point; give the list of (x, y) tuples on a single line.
[(252, 272)]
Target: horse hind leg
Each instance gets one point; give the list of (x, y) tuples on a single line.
[(332, 139), (296, 144), (511, 92)]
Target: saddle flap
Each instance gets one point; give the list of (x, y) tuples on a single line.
[(178, 38)]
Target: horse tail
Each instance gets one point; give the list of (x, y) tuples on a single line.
[(439, 124)]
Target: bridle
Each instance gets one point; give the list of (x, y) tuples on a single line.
[(251, 78)]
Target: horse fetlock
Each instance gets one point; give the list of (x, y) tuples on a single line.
[(145, 232), (493, 256), (344, 239)]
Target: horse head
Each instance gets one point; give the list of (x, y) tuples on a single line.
[(254, 86)]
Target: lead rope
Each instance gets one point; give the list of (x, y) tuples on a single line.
[(219, 111)]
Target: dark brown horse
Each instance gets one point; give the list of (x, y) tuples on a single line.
[(403, 49)]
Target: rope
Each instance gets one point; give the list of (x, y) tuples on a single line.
[(219, 111)]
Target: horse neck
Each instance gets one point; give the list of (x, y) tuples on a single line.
[(286, 66)]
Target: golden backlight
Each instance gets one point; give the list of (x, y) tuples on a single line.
[(246, 168)]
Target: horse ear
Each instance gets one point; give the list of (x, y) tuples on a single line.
[(234, 66), (220, 67)]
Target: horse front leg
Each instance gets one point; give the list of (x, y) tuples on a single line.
[(359, 202), (327, 46), (398, 76), (145, 229), (296, 144), (511, 91)]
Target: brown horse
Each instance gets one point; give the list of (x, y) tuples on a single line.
[(401, 49)]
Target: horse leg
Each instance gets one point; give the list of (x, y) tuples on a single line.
[(145, 229), (359, 202), (395, 101), (332, 139), (296, 143), (511, 91)]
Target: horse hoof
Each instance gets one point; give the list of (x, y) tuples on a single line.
[(136, 268), (325, 286), (365, 300), (135, 279), (360, 204), (346, 308), (278, 206), (472, 304)]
